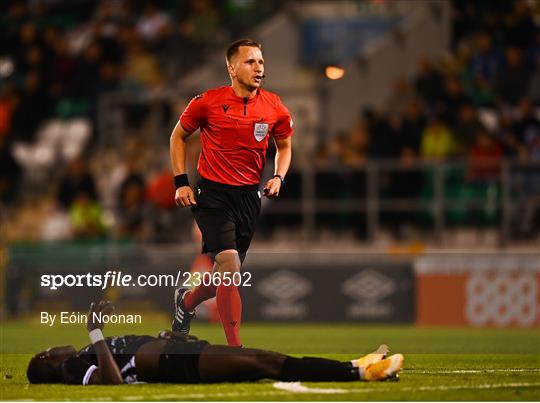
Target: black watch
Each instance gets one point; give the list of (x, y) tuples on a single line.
[(281, 178)]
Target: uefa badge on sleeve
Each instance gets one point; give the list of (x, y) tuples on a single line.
[(260, 131)]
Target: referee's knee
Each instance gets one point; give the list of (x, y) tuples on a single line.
[(228, 260)]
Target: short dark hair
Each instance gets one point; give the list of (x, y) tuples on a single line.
[(233, 47), (42, 371)]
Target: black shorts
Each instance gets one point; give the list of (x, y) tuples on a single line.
[(226, 215), (179, 362)]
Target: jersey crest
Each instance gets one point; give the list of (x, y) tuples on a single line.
[(260, 131)]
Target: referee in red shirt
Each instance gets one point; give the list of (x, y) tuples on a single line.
[(235, 123)]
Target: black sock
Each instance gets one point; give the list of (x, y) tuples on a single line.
[(317, 370)]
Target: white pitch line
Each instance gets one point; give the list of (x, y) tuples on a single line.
[(451, 387), (306, 389), (297, 387), (469, 371), (207, 396)]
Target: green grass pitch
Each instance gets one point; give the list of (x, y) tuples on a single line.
[(440, 364)]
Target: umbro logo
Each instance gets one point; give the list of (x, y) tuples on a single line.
[(225, 108)]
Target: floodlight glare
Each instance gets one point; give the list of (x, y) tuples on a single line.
[(334, 72)]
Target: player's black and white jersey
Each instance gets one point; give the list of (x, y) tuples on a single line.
[(77, 370)]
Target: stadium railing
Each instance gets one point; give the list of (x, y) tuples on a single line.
[(433, 195)]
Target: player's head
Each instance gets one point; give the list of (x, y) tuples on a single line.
[(46, 367), (245, 63)]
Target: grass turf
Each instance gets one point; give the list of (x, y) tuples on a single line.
[(440, 363)]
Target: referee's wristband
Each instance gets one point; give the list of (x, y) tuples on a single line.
[(281, 178), (96, 335), (180, 180)]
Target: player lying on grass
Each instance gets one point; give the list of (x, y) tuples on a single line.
[(175, 358)]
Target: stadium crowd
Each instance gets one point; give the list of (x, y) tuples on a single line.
[(56, 59), (478, 103)]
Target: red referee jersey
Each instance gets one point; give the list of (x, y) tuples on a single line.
[(235, 132)]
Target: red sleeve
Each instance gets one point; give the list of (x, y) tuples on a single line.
[(284, 124), (194, 115)]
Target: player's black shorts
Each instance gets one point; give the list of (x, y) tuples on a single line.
[(179, 362), (226, 215)]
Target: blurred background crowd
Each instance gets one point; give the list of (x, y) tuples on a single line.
[(56, 59), (447, 110), (478, 102)]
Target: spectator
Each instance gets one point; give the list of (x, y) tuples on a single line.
[(154, 26), (322, 154), (465, 128), (50, 35), (141, 67), (31, 109), (513, 81), (479, 90), (331, 152), (454, 99), (512, 145), (27, 39), (485, 158), (108, 78), (356, 151), (521, 28), (495, 22), (526, 121), (429, 82), (112, 40), (63, 71), (133, 214), (77, 181), (486, 61), (413, 127), (395, 134), (132, 178), (34, 59), (12, 20), (383, 137), (88, 65), (86, 217), (437, 140), (465, 20), (401, 96)]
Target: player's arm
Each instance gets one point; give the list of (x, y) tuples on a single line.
[(282, 163), (184, 195), (107, 372)]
